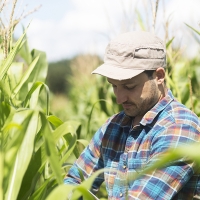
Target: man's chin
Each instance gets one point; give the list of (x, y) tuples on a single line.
[(129, 113)]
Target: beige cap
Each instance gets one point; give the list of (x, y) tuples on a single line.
[(130, 54)]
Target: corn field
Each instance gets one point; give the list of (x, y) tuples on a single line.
[(36, 147)]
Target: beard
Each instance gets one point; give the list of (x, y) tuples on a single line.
[(144, 104)]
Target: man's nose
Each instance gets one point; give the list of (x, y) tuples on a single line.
[(121, 96)]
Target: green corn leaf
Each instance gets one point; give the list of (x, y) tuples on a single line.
[(71, 140), (31, 177), (1, 174), (8, 61), (23, 158), (85, 143), (14, 131), (38, 74), (50, 150), (101, 94), (40, 191), (81, 175), (169, 43), (198, 32), (90, 115), (11, 79), (85, 193), (140, 20), (5, 110), (1, 56), (62, 192), (188, 152), (40, 71), (68, 131), (87, 184), (35, 87), (24, 78), (15, 73), (66, 127), (5, 88), (54, 120), (25, 52), (33, 95)]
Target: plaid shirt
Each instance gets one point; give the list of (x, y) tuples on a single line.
[(116, 145)]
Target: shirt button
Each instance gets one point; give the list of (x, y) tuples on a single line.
[(126, 149), (120, 194)]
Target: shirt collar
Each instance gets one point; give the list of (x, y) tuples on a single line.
[(160, 106), (126, 120)]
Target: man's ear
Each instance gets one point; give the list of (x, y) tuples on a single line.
[(160, 75)]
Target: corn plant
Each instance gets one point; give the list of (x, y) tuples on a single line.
[(34, 144)]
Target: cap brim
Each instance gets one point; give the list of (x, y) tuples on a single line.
[(116, 73)]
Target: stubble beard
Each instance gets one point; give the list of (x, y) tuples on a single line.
[(141, 108)]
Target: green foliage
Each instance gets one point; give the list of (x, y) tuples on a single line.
[(34, 146), (183, 78), (57, 76), (37, 147)]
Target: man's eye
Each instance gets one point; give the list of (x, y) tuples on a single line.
[(129, 88)]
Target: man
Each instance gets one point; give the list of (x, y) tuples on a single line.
[(152, 122)]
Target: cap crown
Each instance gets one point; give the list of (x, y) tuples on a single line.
[(140, 50), (129, 54)]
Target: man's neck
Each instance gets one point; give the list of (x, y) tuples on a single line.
[(136, 121)]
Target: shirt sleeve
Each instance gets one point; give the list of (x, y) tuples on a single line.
[(89, 161), (165, 183)]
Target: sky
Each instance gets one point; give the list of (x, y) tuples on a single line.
[(65, 28)]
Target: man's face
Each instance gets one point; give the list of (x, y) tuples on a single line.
[(136, 95)]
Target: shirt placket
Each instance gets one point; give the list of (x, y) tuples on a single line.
[(123, 166), (130, 143)]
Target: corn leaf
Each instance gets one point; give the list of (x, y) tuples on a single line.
[(1, 174), (169, 43), (24, 78), (8, 61), (33, 95), (69, 133), (140, 20), (31, 177), (83, 142), (25, 52), (84, 192), (54, 120), (15, 73), (62, 192), (40, 191), (87, 184), (50, 149), (40, 71), (23, 158), (198, 32)]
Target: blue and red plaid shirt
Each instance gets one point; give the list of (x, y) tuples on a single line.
[(117, 145)]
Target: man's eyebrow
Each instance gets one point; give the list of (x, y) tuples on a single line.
[(132, 83), (124, 84)]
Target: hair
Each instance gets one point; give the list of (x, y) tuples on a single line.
[(149, 73)]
